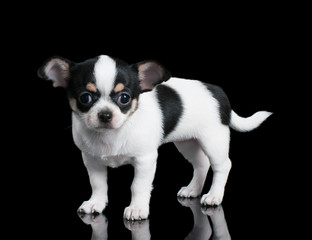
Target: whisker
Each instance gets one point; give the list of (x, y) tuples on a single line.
[(69, 127)]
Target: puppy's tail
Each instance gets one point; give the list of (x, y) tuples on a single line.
[(250, 123)]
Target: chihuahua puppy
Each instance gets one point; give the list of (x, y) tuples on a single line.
[(122, 113)]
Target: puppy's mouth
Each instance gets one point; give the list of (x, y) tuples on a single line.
[(104, 127), (100, 126)]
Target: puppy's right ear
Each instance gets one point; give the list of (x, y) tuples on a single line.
[(56, 69), (150, 74)]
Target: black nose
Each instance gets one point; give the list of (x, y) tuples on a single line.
[(105, 117)]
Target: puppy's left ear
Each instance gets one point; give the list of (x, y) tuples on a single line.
[(151, 73)]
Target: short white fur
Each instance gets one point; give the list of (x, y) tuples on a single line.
[(105, 73)]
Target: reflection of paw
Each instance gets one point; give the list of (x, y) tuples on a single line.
[(136, 225), (188, 192), (188, 202), (211, 210), (139, 229), (92, 206), (136, 213), (92, 218), (211, 199), (98, 223)]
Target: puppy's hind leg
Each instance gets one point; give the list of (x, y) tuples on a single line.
[(192, 151), (216, 147)]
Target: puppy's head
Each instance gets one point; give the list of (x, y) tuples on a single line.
[(103, 92)]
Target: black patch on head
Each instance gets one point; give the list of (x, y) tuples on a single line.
[(171, 106), (224, 103), (129, 78), (80, 75)]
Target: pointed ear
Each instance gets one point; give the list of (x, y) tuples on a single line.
[(151, 73), (56, 69)]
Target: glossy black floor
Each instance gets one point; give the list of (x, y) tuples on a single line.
[(252, 207), (245, 214), (207, 223)]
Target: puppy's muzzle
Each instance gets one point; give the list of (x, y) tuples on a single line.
[(105, 116)]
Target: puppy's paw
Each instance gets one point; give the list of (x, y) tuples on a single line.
[(211, 199), (92, 207), (136, 212), (189, 192)]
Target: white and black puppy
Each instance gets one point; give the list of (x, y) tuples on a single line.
[(122, 113)]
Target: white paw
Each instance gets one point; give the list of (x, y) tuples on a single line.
[(92, 206), (211, 199), (188, 192), (136, 213)]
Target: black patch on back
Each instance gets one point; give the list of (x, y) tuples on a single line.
[(224, 103), (171, 106)]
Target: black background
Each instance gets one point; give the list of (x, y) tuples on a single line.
[(248, 53)]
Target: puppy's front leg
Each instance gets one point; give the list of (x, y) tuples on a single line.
[(144, 171), (98, 179)]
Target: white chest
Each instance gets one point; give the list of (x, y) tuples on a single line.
[(100, 145), (115, 147), (112, 153)]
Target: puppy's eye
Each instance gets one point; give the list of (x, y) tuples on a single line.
[(85, 98), (124, 99)]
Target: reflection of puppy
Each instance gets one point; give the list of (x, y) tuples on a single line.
[(98, 223), (139, 229), (122, 113), (219, 226), (202, 228)]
